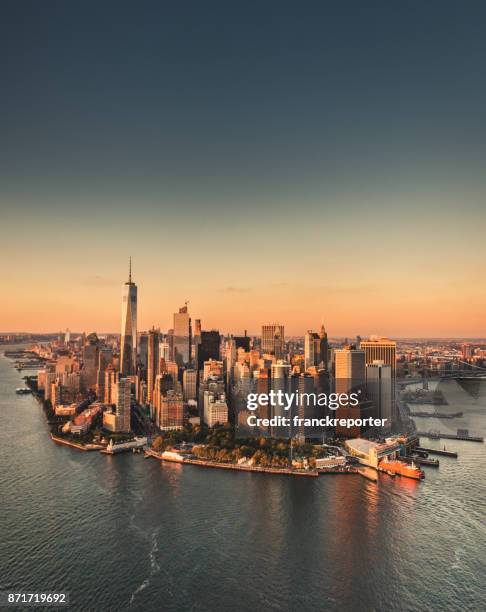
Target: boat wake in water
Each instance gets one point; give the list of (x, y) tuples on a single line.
[(154, 566)]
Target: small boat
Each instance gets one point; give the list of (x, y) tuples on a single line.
[(23, 391)]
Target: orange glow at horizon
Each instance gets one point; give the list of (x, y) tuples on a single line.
[(95, 305), (409, 277)]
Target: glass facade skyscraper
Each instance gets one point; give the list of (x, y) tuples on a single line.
[(273, 340), (128, 340)]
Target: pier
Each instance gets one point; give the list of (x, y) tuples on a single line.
[(436, 451), (460, 435), (436, 415), (420, 460)]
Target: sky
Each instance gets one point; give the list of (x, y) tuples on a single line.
[(267, 161)]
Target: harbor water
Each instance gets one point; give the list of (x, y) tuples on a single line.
[(128, 533)]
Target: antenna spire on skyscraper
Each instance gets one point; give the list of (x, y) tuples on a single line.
[(130, 269)]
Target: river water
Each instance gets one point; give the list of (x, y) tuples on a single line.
[(128, 533)]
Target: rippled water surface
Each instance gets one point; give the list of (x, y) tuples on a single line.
[(126, 533)]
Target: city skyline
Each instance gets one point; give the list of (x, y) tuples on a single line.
[(243, 308)]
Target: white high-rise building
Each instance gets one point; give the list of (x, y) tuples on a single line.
[(128, 340), (212, 367), (379, 388), (50, 377), (164, 351), (215, 409)]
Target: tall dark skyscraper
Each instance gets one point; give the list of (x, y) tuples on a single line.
[(128, 340), (143, 352), (311, 349), (208, 348), (324, 347), (91, 350), (242, 342)]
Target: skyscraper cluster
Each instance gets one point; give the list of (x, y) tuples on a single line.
[(191, 375)]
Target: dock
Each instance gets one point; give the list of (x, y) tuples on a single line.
[(437, 415), (137, 444), (420, 460), (436, 451)]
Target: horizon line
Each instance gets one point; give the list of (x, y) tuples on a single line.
[(338, 337)]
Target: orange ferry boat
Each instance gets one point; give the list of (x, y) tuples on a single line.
[(403, 469)]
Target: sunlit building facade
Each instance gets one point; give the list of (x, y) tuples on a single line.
[(152, 361), (273, 340), (171, 411), (182, 336), (128, 340)]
